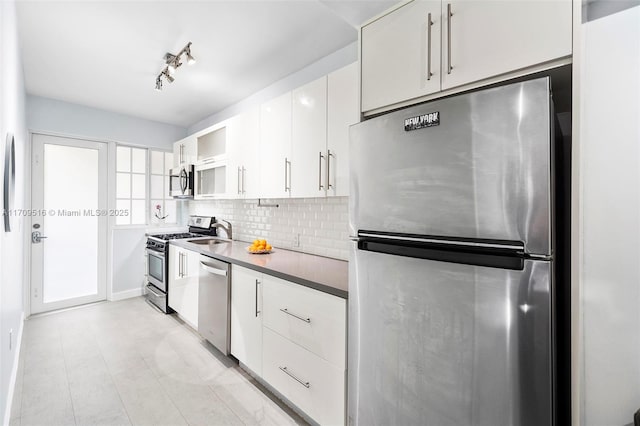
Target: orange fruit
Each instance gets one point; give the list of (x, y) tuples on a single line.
[(268, 247)]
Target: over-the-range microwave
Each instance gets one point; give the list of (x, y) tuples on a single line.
[(181, 182)]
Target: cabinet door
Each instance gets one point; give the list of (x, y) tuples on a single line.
[(395, 55), (309, 139), (177, 153), (309, 318), (175, 281), (489, 38), (183, 283), (184, 151), (190, 154), (242, 149), (246, 317), (342, 112), (315, 386), (191, 288), (275, 147)]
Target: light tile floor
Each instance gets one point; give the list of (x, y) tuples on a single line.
[(124, 363)]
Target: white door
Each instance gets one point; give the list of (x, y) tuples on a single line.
[(69, 187)]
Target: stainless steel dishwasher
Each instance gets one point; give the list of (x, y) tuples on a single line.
[(214, 301)]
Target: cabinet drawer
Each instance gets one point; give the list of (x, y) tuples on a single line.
[(311, 383), (310, 318)]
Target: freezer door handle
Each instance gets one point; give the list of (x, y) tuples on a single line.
[(435, 251)]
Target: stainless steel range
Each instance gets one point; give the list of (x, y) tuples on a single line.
[(158, 258)]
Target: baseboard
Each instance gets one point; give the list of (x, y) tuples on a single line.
[(127, 294), (14, 373)]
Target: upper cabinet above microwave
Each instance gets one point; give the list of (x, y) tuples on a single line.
[(184, 151), (424, 47)]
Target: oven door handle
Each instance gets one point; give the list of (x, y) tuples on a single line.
[(150, 290), (155, 253)]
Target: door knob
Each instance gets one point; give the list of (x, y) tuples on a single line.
[(37, 237)]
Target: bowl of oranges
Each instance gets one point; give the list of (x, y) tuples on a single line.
[(260, 247)]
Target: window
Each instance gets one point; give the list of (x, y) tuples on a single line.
[(141, 190), (131, 185), (161, 163)]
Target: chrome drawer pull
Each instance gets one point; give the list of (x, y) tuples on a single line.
[(286, 311), (305, 384)]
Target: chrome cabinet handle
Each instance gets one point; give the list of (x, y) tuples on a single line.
[(303, 383), (286, 311), (257, 311), (239, 187), (243, 179), (449, 15), (429, 24), (320, 157), (329, 155), (287, 175)]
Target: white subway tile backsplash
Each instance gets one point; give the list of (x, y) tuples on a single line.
[(321, 222)]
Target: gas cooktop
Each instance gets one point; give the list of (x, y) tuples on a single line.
[(177, 236)]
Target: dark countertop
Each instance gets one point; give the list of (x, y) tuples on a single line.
[(317, 272)]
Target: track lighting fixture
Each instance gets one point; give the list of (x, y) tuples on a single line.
[(173, 62)]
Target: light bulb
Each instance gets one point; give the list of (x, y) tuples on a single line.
[(169, 78), (171, 68), (190, 59)]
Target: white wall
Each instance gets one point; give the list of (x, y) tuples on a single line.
[(50, 115), (12, 119), (610, 138), (321, 222), (341, 58)]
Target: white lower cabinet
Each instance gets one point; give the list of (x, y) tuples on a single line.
[(184, 272), (246, 317), (314, 385), (307, 317), (294, 338)]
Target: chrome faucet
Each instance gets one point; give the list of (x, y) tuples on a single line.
[(228, 229)]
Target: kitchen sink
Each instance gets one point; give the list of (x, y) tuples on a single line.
[(207, 241)]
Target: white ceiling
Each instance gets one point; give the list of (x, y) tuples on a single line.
[(107, 54)]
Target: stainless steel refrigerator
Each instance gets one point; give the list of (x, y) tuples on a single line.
[(452, 268)]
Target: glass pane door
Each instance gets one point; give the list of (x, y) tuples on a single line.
[(68, 257)]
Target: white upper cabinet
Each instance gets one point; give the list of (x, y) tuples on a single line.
[(395, 55), (489, 38), (242, 150), (185, 151), (275, 147), (424, 47), (309, 140), (342, 111)]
